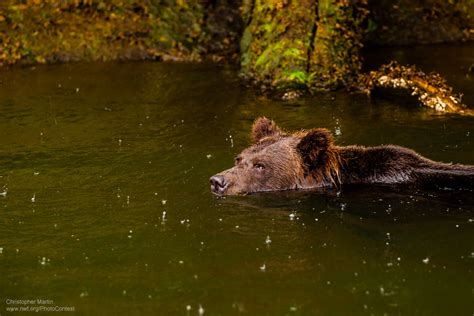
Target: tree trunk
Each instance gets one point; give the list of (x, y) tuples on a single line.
[(302, 43), (276, 41), (335, 60)]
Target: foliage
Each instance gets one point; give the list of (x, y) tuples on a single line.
[(63, 30), (405, 22)]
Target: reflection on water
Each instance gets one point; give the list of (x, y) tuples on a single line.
[(105, 203)]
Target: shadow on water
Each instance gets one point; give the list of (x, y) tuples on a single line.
[(105, 202)]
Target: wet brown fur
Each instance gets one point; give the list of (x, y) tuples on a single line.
[(310, 159)]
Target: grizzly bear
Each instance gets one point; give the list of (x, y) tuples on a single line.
[(309, 159)]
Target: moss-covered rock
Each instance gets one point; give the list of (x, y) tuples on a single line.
[(335, 60), (276, 41), (302, 44)]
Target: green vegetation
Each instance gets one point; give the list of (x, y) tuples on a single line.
[(37, 31)]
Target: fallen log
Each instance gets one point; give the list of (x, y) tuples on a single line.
[(431, 89)]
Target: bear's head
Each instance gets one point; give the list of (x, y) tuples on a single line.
[(280, 161)]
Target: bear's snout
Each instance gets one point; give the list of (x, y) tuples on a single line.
[(218, 184)]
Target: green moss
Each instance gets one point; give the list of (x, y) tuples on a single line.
[(275, 44), (336, 60)]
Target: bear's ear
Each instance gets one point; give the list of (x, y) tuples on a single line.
[(263, 127), (313, 145)]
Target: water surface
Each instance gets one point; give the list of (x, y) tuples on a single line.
[(105, 202)]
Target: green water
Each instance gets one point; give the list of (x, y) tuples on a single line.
[(92, 155)]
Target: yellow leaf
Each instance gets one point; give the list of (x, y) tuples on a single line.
[(40, 59)]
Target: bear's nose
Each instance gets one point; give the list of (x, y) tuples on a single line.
[(218, 184)]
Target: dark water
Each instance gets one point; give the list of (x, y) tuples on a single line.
[(93, 155)]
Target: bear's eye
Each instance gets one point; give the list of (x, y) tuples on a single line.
[(237, 160), (259, 166)]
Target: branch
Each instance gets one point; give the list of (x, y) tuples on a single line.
[(431, 89)]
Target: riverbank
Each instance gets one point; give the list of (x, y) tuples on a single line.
[(63, 31), (54, 31)]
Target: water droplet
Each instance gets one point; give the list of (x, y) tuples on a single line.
[(201, 310), (263, 267), (33, 199), (426, 260), (163, 202), (268, 241), (44, 261)]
